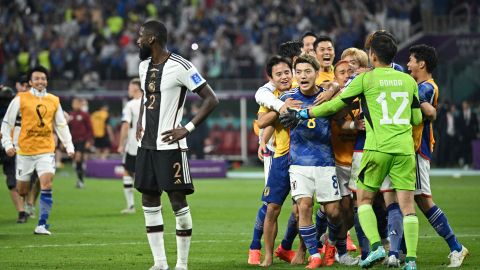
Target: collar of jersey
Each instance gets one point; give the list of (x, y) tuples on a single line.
[(37, 93)]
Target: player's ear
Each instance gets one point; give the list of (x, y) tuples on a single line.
[(421, 64), (151, 39)]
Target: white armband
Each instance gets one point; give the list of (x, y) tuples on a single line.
[(190, 127)]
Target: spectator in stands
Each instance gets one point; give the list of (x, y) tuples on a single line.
[(467, 129)]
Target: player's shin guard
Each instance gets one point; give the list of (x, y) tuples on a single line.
[(290, 233), (395, 228), (368, 221), (362, 239), (46, 202), (79, 170), (439, 222), (128, 190), (410, 229), (184, 236), (321, 224), (154, 225), (258, 229), (308, 234)]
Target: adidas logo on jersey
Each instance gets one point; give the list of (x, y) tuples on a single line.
[(178, 181)]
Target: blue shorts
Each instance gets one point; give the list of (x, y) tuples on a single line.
[(278, 183)]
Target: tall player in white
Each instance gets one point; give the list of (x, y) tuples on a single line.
[(128, 142), (162, 163)]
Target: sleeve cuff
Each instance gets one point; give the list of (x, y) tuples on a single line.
[(278, 104)]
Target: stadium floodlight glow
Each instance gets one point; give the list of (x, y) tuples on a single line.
[(194, 46)]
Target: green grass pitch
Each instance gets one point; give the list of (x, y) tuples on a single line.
[(90, 233)]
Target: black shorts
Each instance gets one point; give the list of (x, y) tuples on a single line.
[(103, 142), (164, 170), (8, 169), (80, 146), (129, 162)]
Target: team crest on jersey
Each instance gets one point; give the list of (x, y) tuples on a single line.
[(266, 191), (196, 78)]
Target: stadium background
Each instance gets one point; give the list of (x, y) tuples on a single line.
[(89, 48)]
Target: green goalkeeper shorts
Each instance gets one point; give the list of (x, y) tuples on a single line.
[(375, 166)]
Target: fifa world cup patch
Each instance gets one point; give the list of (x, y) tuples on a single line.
[(196, 78), (266, 191)]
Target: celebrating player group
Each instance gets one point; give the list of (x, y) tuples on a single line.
[(338, 134)]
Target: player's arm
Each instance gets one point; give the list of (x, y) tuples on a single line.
[(265, 97), (266, 119), (8, 123), (88, 125), (63, 132), (140, 119), (426, 94), (265, 136), (126, 120), (415, 107), (429, 112)]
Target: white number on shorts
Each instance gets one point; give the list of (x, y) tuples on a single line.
[(177, 167), (382, 99)]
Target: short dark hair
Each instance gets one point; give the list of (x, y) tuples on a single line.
[(22, 79), (428, 54), (308, 34), (368, 40), (307, 58), (41, 69), (158, 30), (384, 48), (275, 60), (321, 39), (290, 49)]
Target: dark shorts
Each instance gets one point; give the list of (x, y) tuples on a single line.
[(278, 182), (129, 162), (103, 142), (8, 169), (79, 146), (165, 170)]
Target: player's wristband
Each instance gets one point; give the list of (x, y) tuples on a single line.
[(303, 114), (190, 127)]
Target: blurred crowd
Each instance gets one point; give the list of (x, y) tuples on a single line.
[(92, 41), (456, 128)]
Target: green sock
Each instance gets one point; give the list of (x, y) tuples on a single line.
[(368, 221), (410, 230)]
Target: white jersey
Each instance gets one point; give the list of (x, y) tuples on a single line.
[(165, 86), (130, 115)]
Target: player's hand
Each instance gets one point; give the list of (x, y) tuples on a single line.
[(139, 133), (174, 135), (11, 152), (70, 154), (291, 103), (88, 145), (292, 117), (121, 149), (261, 150), (359, 124)]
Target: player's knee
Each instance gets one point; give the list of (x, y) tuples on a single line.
[(273, 210), (183, 219), (150, 200), (22, 190), (178, 200)]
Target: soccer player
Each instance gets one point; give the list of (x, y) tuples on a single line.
[(276, 190), (128, 143), (325, 53), (82, 136), (102, 131), (308, 39), (162, 163), (312, 169), (390, 104), (41, 113), (421, 64)]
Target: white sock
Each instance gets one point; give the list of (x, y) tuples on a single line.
[(154, 225), (128, 190), (184, 235)]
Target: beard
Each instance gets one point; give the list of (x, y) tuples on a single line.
[(145, 52)]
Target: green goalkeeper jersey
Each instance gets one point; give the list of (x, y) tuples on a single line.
[(389, 100)]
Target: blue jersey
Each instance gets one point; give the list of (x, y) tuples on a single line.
[(397, 67), (310, 143)]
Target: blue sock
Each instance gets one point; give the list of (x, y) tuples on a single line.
[(45, 206), (362, 239), (395, 228), (258, 229), (321, 224), (341, 246), (439, 222), (308, 234), (333, 230), (291, 233)]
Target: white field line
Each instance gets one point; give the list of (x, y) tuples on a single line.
[(193, 241)]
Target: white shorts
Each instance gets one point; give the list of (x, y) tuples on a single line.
[(267, 163), (352, 184), (355, 169), (343, 176), (423, 177), (307, 181), (43, 163)]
